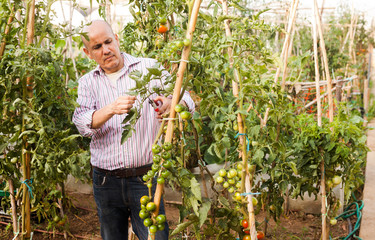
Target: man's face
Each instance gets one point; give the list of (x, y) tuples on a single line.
[(104, 48)]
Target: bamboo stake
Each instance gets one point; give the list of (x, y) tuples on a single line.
[(14, 208), (177, 92), (284, 57), (26, 213), (245, 183), (291, 21), (6, 32), (325, 59), (330, 103), (317, 75)]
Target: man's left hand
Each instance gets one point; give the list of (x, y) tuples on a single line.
[(165, 107)]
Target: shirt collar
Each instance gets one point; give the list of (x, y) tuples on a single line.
[(128, 61)]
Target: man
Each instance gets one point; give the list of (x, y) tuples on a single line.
[(117, 168)]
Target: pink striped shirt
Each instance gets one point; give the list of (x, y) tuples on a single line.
[(95, 91)]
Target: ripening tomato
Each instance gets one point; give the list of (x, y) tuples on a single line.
[(244, 223), (162, 29), (260, 235), (246, 237)]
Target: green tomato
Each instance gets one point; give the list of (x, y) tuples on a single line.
[(232, 173), (144, 200), (143, 214), (219, 179), (160, 218), (150, 174), (161, 227), (167, 146), (222, 172), (239, 166), (156, 149), (231, 181), (333, 221), (153, 229), (166, 155), (255, 201), (185, 115), (149, 184), (225, 185), (179, 108), (336, 180), (147, 222), (165, 173), (160, 180), (179, 44), (145, 178), (151, 206), (156, 159), (155, 167), (167, 164), (187, 42)]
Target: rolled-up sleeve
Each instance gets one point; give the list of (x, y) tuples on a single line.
[(82, 116)]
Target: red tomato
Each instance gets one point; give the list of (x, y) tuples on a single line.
[(244, 223), (162, 29), (260, 235)]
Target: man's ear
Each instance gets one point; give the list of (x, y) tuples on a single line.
[(87, 52)]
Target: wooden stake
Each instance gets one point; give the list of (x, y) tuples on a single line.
[(325, 59), (14, 208), (292, 17), (317, 75), (284, 53), (6, 32), (26, 159), (177, 92)]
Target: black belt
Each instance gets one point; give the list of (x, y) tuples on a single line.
[(126, 172)]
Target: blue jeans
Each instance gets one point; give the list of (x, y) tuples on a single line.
[(117, 199)]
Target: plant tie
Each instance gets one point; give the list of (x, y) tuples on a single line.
[(28, 186), (248, 141), (250, 193)]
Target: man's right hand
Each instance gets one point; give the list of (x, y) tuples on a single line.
[(122, 104)]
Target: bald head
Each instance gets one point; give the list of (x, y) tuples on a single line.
[(96, 24), (102, 45)]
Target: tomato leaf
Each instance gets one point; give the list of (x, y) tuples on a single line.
[(181, 227), (195, 189), (155, 71), (203, 211)]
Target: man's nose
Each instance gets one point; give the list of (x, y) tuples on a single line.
[(106, 49)]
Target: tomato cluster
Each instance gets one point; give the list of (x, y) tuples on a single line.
[(153, 223), (162, 163), (181, 110), (231, 180)]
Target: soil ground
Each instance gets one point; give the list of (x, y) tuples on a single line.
[(84, 224)]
